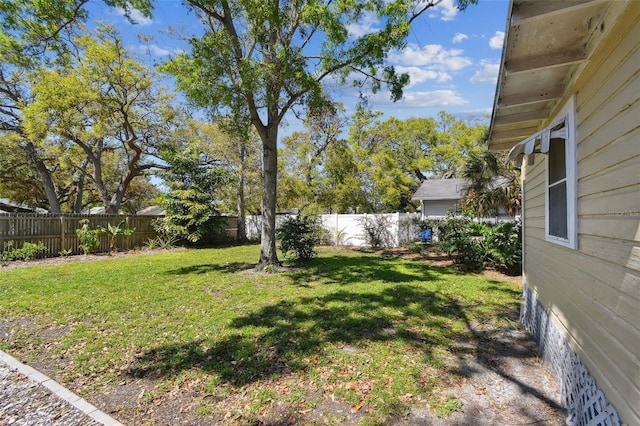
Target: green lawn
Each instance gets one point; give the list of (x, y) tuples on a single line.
[(349, 336)]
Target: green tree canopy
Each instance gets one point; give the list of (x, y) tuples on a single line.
[(108, 107)]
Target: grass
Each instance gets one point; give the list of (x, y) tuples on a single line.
[(348, 335)]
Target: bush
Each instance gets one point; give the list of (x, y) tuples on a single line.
[(28, 251), (505, 247), (464, 242), (376, 231), (475, 246), (113, 232), (89, 241), (299, 234)]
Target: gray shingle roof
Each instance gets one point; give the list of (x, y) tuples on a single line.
[(440, 189)]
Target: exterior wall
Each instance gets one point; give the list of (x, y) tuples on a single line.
[(592, 295), (437, 208)]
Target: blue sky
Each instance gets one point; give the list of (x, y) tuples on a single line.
[(452, 57)]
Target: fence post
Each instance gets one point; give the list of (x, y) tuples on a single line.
[(397, 242), (62, 234), (125, 240)]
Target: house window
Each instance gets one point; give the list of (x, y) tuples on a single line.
[(561, 202), (557, 189)]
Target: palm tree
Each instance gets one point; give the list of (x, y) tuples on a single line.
[(492, 184)]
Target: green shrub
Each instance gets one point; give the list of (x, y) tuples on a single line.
[(113, 232), (299, 235), (464, 242), (475, 246), (89, 240), (28, 251), (168, 235), (505, 247), (377, 232)]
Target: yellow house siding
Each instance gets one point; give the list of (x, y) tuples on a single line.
[(593, 293)]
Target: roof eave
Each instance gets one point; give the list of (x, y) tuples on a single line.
[(546, 44)]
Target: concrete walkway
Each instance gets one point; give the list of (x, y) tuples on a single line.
[(28, 397)]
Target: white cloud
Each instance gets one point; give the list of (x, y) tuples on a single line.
[(159, 51), (459, 37), (496, 41), (136, 16), (367, 25), (446, 9), (437, 98), (433, 56), (488, 73), (419, 75)]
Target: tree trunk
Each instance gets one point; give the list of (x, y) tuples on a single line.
[(45, 177), (268, 253), (242, 220), (77, 206)]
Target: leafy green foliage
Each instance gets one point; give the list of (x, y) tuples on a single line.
[(464, 242), (475, 246), (492, 185), (107, 108), (36, 37), (88, 238), (377, 232), (28, 251), (113, 232), (299, 235), (29, 29), (505, 247), (192, 202)]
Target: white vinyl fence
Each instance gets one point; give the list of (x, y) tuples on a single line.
[(347, 229)]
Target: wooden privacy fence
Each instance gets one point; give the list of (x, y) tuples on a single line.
[(58, 232)]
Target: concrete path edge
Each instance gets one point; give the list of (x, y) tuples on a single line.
[(59, 391)]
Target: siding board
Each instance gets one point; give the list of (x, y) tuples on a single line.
[(617, 167), (619, 91), (619, 202)]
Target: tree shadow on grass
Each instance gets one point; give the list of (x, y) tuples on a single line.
[(205, 268), (290, 332), (345, 270), (280, 338)]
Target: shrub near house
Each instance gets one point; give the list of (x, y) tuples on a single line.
[(476, 246)]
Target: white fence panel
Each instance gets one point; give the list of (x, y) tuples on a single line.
[(345, 229)]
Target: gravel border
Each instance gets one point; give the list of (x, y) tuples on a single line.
[(29, 398)]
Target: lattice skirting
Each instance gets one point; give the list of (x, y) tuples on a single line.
[(585, 402)]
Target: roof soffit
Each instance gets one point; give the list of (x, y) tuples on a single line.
[(546, 43)]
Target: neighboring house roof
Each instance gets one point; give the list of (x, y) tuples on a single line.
[(546, 44), (94, 210), (8, 206), (440, 189), (152, 211)]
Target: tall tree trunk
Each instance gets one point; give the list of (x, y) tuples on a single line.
[(77, 205), (242, 220), (268, 253), (46, 178)]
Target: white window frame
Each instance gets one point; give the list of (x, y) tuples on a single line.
[(567, 115)]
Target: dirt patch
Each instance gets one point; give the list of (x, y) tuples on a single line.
[(83, 258)]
